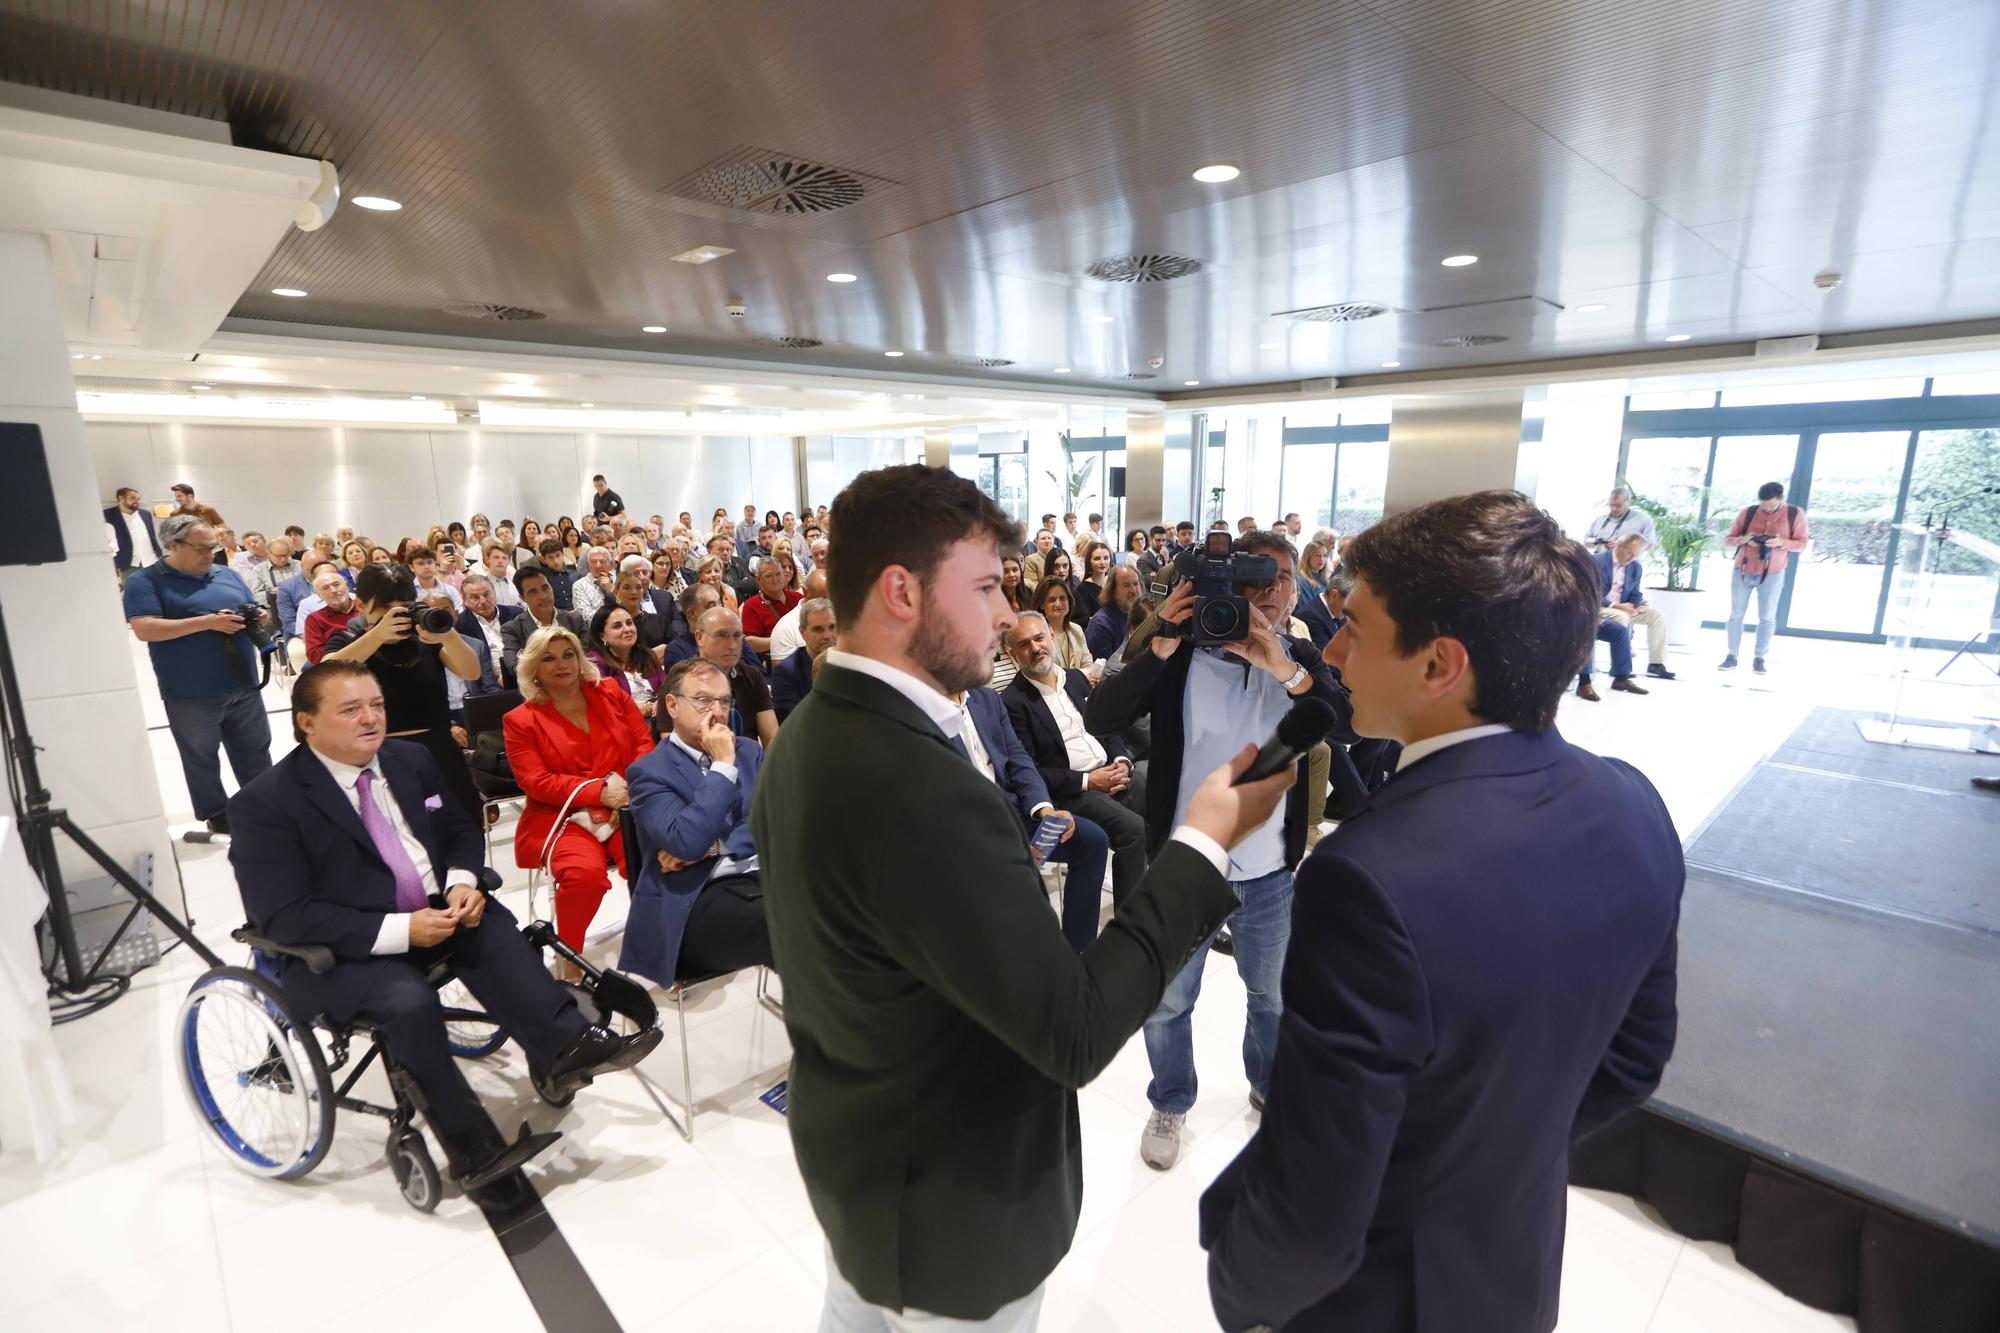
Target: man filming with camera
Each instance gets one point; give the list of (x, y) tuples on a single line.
[(197, 619), (1220, 670), (409, 647)]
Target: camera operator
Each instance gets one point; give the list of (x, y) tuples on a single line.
[(409, 658), (192, 616), (1206, 703)]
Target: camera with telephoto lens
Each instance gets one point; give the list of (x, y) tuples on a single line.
[(260, 626), (436, 619), (1221, 614)]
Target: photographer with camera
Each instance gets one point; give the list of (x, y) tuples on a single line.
[(409, 647), (1764, 536), (197, 619), (1619, 521), (1214, 675)]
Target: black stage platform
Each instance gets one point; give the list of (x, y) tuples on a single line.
[(1833, 1105)]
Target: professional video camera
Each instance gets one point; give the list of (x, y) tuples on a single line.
[(260, 625), (1221, 614)]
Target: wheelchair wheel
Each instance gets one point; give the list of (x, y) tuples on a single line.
[(254, 1074), (469, 1038), (416, 1174)]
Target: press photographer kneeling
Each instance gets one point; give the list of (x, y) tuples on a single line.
[(408, 648)]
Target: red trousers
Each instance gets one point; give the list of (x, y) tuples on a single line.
[(581, 866)]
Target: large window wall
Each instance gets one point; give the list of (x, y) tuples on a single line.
[(1862, 457)]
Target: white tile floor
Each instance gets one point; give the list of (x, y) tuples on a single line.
[(142, 1221)]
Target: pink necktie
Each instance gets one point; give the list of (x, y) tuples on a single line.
[(410, 895)]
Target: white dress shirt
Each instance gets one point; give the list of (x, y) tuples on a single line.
[(1430, 745), (944, 713), (489, 629), (975, 748), (394, 937), (785, 636), (145, 547), (725, 864), (1086, 752)]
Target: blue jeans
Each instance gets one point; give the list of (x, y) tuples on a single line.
[(1619, 636), (1262, 928), (233, 722), (1083, 892), (1767, 608)]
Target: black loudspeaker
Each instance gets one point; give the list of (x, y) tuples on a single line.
[(31, 535), (1115, 483)]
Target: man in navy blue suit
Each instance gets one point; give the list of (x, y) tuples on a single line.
[(989, 740), (698, 908), (792, 679), (1473, 981), (351, 843)]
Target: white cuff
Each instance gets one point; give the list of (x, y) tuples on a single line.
[(724, 770), (1041, 809), (394, 937), (458, 875), (1217, 855)]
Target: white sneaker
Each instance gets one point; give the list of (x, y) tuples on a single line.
[(1160, 1144)]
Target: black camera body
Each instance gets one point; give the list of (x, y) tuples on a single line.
[(259, 624), (1221, 614), (436, 619)]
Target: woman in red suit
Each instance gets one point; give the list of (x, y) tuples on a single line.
[(569, 745)]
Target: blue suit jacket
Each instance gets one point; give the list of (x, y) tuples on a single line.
[(1019, 777), (1631, 592), (681, 811), (290, 593), (306, 867), (791, 681), (1321, 624), (1481, 970)]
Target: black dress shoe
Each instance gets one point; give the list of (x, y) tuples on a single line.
[(1658, 672), (1588, 691), (219, 824), (595, 1050), (1222, 943), (1628, 685), (1987, 784), (481, 1163)]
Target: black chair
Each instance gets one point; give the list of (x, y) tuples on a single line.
[(483, 714), (677, 994)]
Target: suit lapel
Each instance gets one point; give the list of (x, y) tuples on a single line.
[(327, 795)]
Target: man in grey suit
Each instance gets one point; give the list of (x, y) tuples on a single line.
[(939, 1021), (538, 596)]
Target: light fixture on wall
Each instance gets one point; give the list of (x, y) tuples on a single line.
[(288, 291)]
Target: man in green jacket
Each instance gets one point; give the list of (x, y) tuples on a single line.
[(939, 1021)]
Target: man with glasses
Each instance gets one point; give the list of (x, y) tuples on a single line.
[(718, 637), (187, 611), (698, 907)]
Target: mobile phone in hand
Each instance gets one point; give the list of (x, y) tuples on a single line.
[(1047, 834)]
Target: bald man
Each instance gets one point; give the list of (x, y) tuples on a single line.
[(785, 636)]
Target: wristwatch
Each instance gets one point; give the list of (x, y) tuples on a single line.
[(1298, 678)]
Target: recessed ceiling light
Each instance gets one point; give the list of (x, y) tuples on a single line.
[(76, 356), (1062, 370), (1458, 261), (376, 203), (654, 328), (1590, 309), (1102, 319), (589, 404), (892, 354), (1217, 174), (701, 254), (418, 398), (1390, 365), (1679, 337), (201, 388), (288, 291), (1271, 347), (97, 356), (1190, 383), (841, 277)]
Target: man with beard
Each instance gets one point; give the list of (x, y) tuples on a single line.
[(939, 1021), (1107, 629)]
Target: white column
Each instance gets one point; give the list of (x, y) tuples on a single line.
[(66, 622)]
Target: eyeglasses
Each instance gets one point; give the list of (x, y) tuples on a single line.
[(726, 635), (206, 548), (706, 701)]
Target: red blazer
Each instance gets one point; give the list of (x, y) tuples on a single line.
[(550, 757)]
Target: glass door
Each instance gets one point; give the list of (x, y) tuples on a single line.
[(1741, 464), (1850, 498)]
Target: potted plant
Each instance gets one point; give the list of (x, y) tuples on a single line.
[(1683, 540), (1074, 478)]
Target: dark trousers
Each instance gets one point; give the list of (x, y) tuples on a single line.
[(1123, 820), (1085, 854), (1620, 638), (451, 763), (725, 929), (204, 727), (502, 970)]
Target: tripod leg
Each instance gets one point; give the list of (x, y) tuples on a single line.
[(139, 892)]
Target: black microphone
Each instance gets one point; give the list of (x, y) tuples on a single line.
[(1298, 731)]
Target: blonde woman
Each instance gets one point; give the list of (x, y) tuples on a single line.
[(710, 571)]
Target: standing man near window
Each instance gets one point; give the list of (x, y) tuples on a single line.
[(1764, 537), (185, 609), (134, 544), (1619, 521)]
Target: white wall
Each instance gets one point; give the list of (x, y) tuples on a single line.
[(390, 483)]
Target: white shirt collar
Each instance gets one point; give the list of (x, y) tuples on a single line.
[(1430, 745), (932, 704), (1048, 691), (685, 748), (347, 774)]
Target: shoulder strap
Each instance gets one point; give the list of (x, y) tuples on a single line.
[(1792, 522)]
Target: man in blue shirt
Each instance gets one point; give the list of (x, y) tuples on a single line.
[(186, 609)]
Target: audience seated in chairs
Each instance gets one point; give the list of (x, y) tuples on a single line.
[(1618, 634), (1108, 629), (335, 610), (348, 843), (695, 600), (792, 679), (539, 611), (719, 637), (569, 744), (1086, 775), (785, 637), (483, 619), (633, 590), (613, 647), (697, 906), (773, 600), (1620, 573), (1052, 602)]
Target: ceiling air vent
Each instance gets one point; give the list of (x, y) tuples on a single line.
[(509, 314), (1143, 268), (792, 342), (1471, 340), (1341, 312), (982, 362), (759, 180)]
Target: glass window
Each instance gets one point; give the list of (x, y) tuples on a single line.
[(1852, 505), (1305, 487), (1950, 464), (1364, 481), (1823, 391), (1211, 508), (1312, 414), (1978, 381), (1669, 469), (1671, 400), (1365, 411), (1004, 479)]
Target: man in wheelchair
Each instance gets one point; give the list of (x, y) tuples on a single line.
[(354, 845)]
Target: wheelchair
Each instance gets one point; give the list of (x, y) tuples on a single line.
[(260, 1076)]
